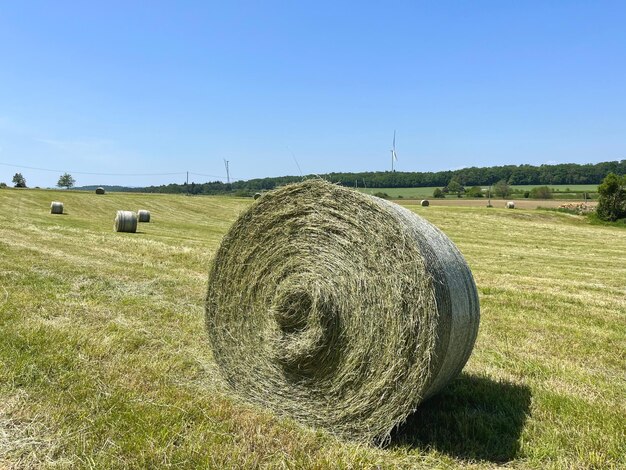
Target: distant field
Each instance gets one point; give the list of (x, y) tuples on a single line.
[(104, 360), (520, 203), (592, 188), (566, 191), (406, 193)]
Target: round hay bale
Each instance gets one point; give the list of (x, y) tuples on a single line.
[(126, 221), (425, 203), (56, 207), (100, 190), (339, 309), (256, 196), (143, 215), (510, 205)]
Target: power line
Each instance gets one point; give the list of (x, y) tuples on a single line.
[(92, 173), (222, 177), (109, 174), (174, 173)]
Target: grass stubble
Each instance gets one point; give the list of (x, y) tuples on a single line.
[(105, 363)]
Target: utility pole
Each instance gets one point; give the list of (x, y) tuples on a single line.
[(227, 172), (187, 183)]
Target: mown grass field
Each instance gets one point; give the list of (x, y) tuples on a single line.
[(104, 361)]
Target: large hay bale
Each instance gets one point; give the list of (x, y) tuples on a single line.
[(56, 207), (256, 196), (510, 205), (425, 203), (126, 221), (143, 215), (100, 190), (338, 309)]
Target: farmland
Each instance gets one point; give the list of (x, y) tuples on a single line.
[(561, 191), (104, 361)]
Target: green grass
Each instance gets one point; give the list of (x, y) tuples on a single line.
[(104, 361)]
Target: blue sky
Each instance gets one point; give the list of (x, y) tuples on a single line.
[(136, 88)]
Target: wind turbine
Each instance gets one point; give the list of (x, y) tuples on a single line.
[(394, 157), (227, 172)]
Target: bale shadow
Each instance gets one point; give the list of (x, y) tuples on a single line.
[(473, 418)]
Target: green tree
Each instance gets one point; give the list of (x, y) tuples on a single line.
[(502, 189), (438, 193), (19, 180), (455, 187), (541, 192), (66, 181), (474, 191), (612, 198)]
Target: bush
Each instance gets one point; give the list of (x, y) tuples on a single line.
[(526, 194), (474, 191), (3, 185), (438, 193), (382, 195), (612, 198), (541, 192)]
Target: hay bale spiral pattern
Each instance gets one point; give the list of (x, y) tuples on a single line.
[(126, 221), (425, 203), (143, 215), (338, 309), (56, 207), (510, 205)]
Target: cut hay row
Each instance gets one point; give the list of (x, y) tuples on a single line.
[(338, 309)]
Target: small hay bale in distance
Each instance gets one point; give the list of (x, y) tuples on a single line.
[(425, 203), (256, 196), (143, 215), (510, 205), (100, 190), (126, 221), (56, 207), (338, 309)]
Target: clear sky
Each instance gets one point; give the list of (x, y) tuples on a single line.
[(131, 87)]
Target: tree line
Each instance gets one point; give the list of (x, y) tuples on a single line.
[(566, 173)]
